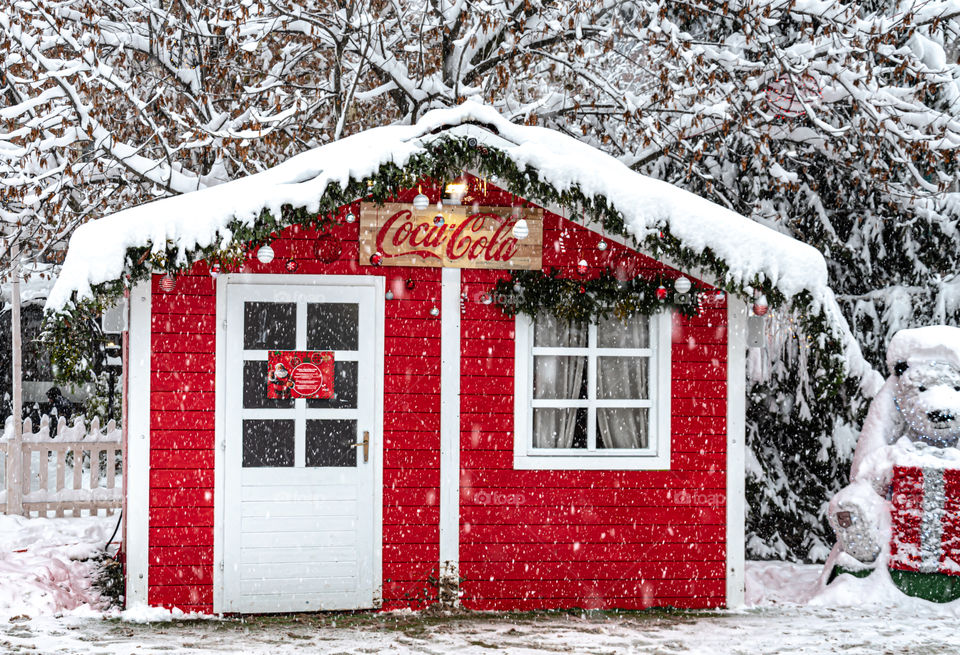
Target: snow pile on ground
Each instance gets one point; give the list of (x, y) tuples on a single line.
[(44, 564)]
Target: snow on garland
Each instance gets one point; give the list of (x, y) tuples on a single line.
[(222, 223)]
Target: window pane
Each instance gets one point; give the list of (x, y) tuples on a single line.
[(622, 427), (329, 443), (559, 428), (623, 377), (614, 333), (332, 326), (549, 331), (269, 326), (255, 388), (268, 443), (559, 377), (344, 388)]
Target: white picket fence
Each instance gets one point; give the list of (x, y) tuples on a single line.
[(73, 472)]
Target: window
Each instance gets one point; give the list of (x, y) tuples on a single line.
[(593, 396)]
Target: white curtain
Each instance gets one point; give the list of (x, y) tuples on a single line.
[(620, 378), (557, 377)]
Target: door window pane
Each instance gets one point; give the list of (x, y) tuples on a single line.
[(268, 442), (255, 388), (269, 326), (329, 443), (559, 427), (332, 326), (614, 333), (559, 376), (344, 388), (623, 377), (622, 427)]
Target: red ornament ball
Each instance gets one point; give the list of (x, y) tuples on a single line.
[(292, 265), (583, 289), (582, 267), (214, 270), (168, 283), (410, 284), (661, 292), (327, 248), (376, 259)]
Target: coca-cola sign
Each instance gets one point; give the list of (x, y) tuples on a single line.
[(455, 236)]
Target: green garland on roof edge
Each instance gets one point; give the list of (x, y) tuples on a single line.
[(587, 300), (443, 159)]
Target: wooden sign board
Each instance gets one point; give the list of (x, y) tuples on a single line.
[(453, 237)]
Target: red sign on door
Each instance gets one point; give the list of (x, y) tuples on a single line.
[(299, 374)]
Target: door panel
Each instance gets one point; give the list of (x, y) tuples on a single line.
[(298, 510)]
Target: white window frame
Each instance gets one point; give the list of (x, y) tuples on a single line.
[(655, 457)]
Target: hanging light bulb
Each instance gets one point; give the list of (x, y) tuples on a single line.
[(521, 230), (265, 254), (682, 285)]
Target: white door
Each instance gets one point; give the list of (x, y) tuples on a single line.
[(298, 503)]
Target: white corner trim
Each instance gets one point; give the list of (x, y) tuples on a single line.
[(656, 459), (736, 449), (219, 451), (137, 466), (450, 426)]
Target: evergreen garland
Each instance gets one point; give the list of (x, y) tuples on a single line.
[(587, 300), (442, 159)]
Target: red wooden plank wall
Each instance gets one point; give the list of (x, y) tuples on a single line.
[(529, 539), (600, 539), (182, 425)]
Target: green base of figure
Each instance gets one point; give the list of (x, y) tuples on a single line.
[(935, 587)]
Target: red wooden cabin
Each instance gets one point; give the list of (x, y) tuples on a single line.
[(465, 455)]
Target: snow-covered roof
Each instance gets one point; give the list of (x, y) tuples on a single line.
[(200, 219)]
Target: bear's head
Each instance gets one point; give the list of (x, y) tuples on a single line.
[(928, 397)]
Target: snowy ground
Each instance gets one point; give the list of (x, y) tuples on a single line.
[(47, 606)]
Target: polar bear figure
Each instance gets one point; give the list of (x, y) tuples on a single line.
[(917, 408)]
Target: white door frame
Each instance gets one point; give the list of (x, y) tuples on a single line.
[(376, 449)]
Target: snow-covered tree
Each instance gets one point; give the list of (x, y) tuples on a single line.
[(833, 121)]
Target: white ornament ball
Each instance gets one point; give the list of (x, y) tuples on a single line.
[(421, 202), (682, 285), (434, 311), (265, 254), (601, 245), (388, 295), (350, 218), (521, 230)]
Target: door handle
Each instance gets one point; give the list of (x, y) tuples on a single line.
[(366, 445)]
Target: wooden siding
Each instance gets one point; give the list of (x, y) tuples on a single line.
[(529, 539), (597, 539)]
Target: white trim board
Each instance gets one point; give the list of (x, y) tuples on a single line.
[(450, 432), (137, 465), (736, 449)]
